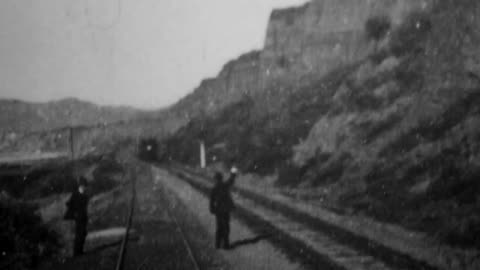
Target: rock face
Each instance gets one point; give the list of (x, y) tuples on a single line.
[(323, 35), (237, 78), (386, 127), (301, 42)]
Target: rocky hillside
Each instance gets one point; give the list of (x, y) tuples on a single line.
[(301, 44), (44, 127), (237, 79), (91, 139), (17, 115), (372, 104)]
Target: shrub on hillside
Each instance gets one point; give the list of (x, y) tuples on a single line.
[(60, 181), (289, 175), (458, 225), (410, 35), (378, 56), (377, 27)]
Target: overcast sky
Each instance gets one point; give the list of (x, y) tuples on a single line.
[(144, 53)]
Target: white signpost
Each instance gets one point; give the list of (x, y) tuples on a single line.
[(203, 160)]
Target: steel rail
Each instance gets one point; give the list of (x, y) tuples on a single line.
[(123, 248), (184, 239)]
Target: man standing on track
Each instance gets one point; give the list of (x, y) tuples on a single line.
[(221, 204)]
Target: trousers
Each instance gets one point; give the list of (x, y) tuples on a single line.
[(80, 235), (222, 236)]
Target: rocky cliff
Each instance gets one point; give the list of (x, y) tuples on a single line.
[(388, 127), (237, 78), (322, 35), (301, 43)]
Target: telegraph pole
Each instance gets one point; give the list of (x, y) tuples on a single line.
[(203, 161), (72, 153)]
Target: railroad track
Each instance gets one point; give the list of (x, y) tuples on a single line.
[(187, 245), (129, 221), (123, 247), (316, 242)]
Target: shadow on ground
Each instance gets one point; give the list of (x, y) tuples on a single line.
[(249, 241)]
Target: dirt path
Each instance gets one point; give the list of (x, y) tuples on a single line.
[(250, 252)]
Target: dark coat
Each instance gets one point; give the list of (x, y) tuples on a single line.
[(221, 202), (77, 207)]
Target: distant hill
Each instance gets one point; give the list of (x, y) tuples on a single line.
[(20, 116)]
